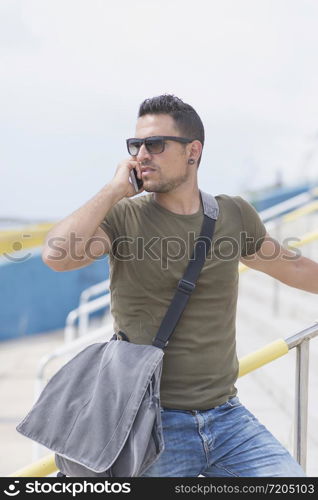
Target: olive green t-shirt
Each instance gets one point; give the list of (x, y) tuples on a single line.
[(151, 247)]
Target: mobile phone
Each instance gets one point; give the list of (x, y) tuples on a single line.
[(137, 183)]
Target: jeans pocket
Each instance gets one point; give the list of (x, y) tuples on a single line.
[(231, 403)]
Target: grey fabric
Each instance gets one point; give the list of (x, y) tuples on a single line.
[(210, 205), (96, 418)]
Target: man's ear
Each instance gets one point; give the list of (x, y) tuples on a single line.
[(195, 150)]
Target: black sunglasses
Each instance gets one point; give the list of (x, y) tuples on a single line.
[(154, 145)]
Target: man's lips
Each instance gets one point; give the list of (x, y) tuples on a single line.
[(147, 170)]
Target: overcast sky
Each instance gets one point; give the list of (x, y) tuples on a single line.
[(73, 73)]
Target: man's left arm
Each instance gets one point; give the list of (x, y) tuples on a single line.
[(284, 265)]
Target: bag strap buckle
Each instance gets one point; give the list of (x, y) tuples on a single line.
[(186, 286), (160, 343)]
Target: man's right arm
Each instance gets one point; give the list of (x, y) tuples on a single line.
[(77, 240)]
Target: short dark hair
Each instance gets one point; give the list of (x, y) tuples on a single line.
[(185, 117)]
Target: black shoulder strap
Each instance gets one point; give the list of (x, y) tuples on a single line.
[(187, 284)]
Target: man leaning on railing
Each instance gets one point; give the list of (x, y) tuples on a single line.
[(207, 431)]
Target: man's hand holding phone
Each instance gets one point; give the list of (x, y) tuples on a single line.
[(127, 178), (136, 182)]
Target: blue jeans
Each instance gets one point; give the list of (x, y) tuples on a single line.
[(224, 441)]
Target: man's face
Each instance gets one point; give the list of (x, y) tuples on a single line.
[(165, 171)]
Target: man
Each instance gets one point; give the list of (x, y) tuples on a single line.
[(207, 431)]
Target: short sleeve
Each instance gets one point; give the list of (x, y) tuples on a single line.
[(113, 222), (254, 230)]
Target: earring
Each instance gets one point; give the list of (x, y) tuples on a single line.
[(191, 161)]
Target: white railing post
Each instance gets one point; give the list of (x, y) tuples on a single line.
[(83, 320), (276, 283), (301, 403)]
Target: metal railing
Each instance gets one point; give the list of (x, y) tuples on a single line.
[(81, 313), (29, 236), (75, 338), (255, 360), (88, 293), (307, 209), (300, 341)]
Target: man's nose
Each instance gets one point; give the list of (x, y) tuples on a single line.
[(143, 154)]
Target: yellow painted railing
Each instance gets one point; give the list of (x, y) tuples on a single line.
[(300, 212), (46, 465), (306, 238), (32, 236), (262, 356), (42, 468)]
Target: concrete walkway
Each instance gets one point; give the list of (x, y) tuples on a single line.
[(18, 365)]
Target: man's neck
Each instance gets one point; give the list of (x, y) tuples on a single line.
[(180, 201)]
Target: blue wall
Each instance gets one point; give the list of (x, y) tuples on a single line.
[(34, 298)]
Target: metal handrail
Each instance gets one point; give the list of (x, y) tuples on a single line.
[(85, 308), (101, 287), (306, 238), (306, 209), (276, 349), (28, 237), (301, 341), (291, 216), (41, 468), (247, 364)]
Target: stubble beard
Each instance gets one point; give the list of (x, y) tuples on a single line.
[(165, 186)]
